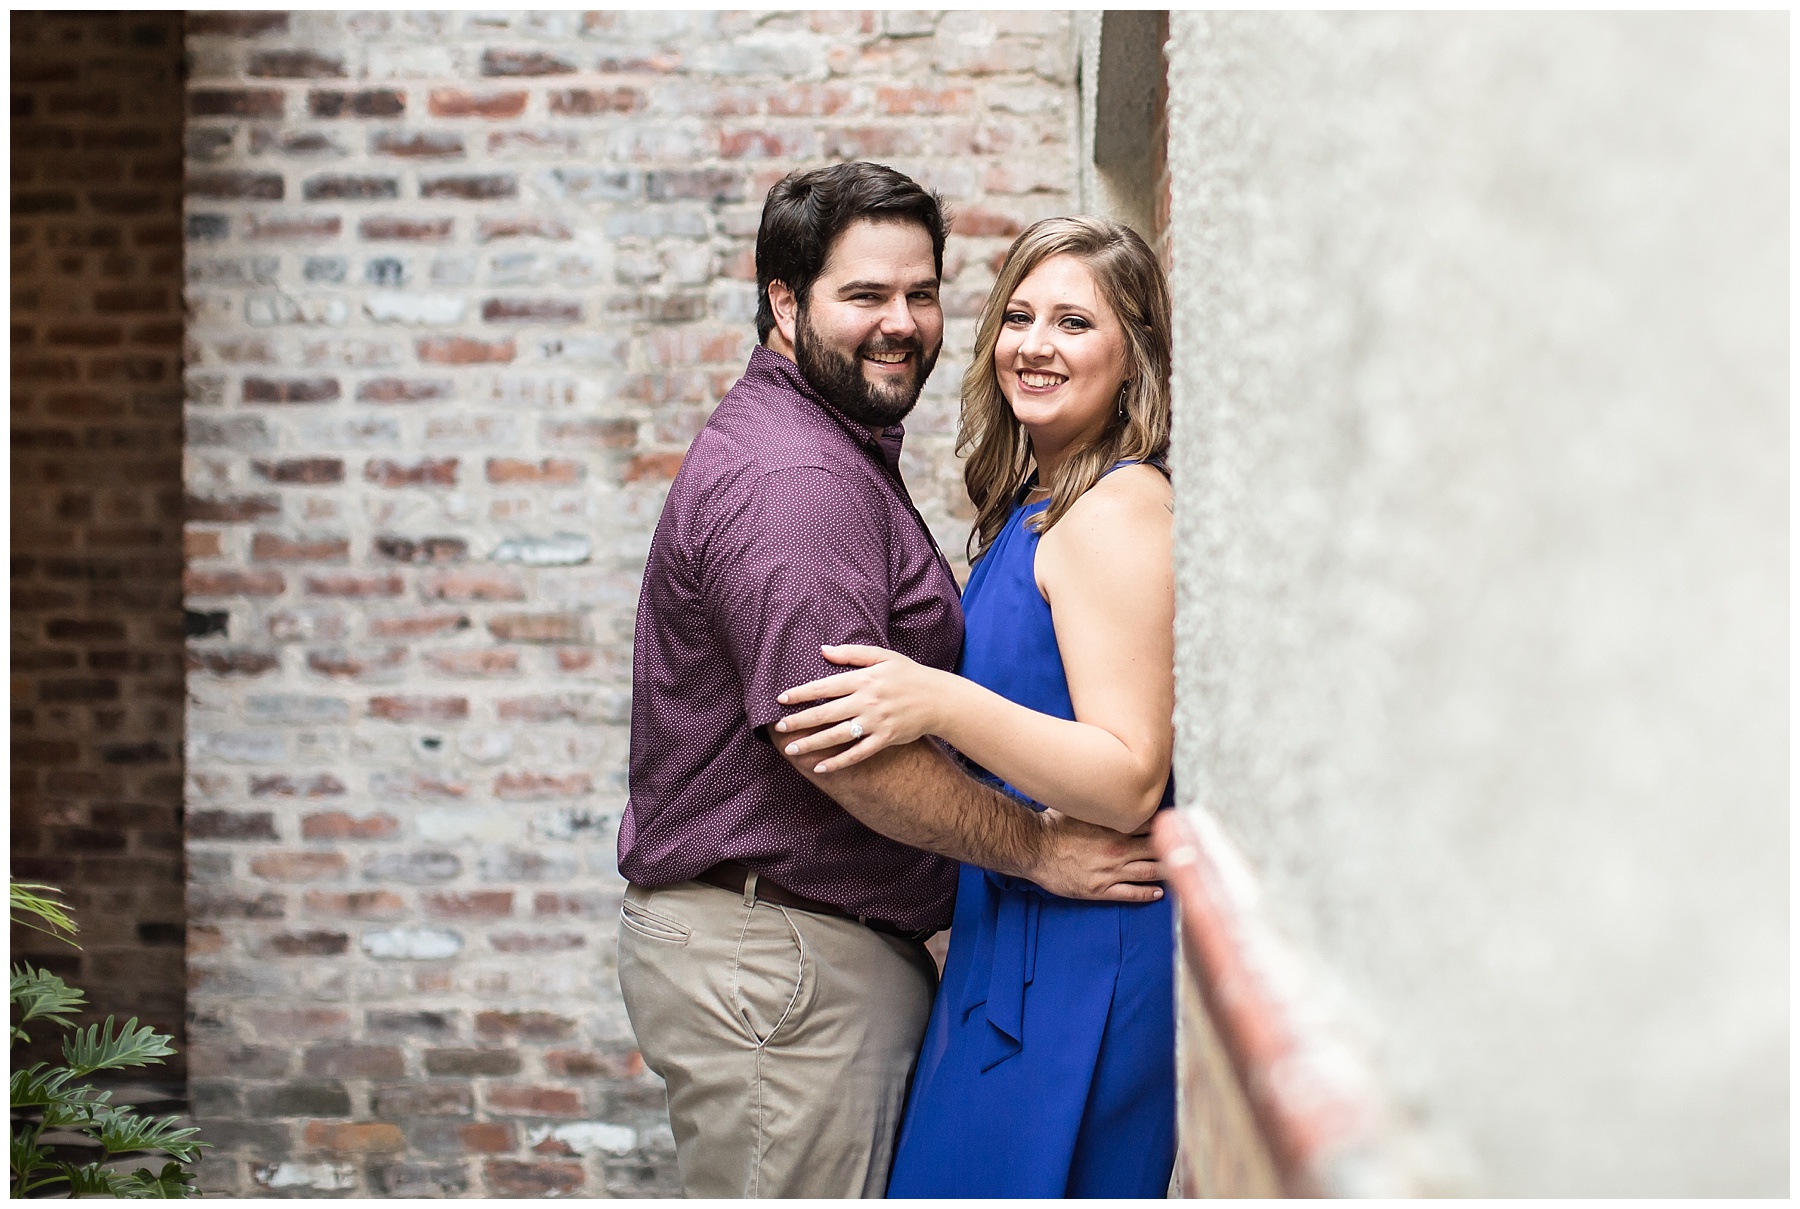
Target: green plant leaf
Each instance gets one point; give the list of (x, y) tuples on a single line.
[(174, 1183), (25, 904), (28, 1158), (122, 1131), (99, 1049), (41, 995), (91, 1179)]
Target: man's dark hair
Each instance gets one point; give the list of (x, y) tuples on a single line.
[(807, 210)]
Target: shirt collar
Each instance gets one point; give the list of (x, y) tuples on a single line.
[(765, 362)]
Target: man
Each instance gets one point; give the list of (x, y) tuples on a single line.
[(770, 946)]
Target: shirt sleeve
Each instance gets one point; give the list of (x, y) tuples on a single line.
[(803, 562)]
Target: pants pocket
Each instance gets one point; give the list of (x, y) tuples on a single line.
[(768, 972), (652, 925)]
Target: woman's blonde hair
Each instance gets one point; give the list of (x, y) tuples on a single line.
[(999, 462)]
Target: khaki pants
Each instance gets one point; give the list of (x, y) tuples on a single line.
[(786, 1039)]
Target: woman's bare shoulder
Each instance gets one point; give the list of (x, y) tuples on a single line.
[(1125, 515), (1131, 495)]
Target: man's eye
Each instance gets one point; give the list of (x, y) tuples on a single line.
[(924, 296)]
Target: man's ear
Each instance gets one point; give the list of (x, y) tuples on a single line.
[(786, 309)]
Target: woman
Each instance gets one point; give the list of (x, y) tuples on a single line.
[(1048, 1067)]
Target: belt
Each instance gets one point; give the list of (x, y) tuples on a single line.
[(730, 875)]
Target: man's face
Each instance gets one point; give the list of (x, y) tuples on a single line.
[(870, 331)]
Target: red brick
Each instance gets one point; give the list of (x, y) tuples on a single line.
[(537, 627), (360, 1137), (538, 787), (231, 825), (404, 390), (534, 1101), (356, 904), (431, 472), (233, 508), (299, 866), (497, 62), (232, 583), (236, 103), (471, 188), (419, 709), (899, 102), (459, 350), (508, 1177), (417, 625), (485, 1137), (547, 707), (975, 221), (418, 144), (85, 335), (587, 102), (809, 100), (336, 825), (353, 1060), (516, 228), (341, 187), (455, 103), (592, 433), (424, 550), (416, 229), (579, 1065), (252, 186), (320, 785), (531, 310), (652, 466), (231, 662), (126, 299), (294, 65), (368, 103), (301, 470), (305, 944), (525, 1026), (290, 390), (473, 904), (301, 1022), (235, 25), (354, 586), (272, 547), (374, 663), (473, 586), (475, 662), (558, 471), (538, 942), (293, 227)]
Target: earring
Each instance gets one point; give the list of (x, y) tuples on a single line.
[(1123, 387)]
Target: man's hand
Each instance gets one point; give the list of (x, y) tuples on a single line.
[(1080, 860)]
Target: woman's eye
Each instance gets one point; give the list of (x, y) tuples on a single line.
[(1017, 317), (1075, 323)]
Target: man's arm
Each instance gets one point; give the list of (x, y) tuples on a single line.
[(915, 795)]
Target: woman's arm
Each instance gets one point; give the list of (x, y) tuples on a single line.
[(1106, 571)]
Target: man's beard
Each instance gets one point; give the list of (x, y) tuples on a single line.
[(840, 379)]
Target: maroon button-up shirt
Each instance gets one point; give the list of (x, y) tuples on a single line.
[(787, 527)]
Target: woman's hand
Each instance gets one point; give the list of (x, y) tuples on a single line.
[(887, 702)]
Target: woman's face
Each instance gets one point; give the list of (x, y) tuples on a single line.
[(1060, 357)]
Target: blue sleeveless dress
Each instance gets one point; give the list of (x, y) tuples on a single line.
[(1048, 1067)]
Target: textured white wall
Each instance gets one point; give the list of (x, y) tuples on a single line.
[(1482, 443)]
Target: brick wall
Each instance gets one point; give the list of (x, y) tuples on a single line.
[(96, 498), (461, 289)]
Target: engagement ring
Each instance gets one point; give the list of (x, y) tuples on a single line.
[(856, 731)]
